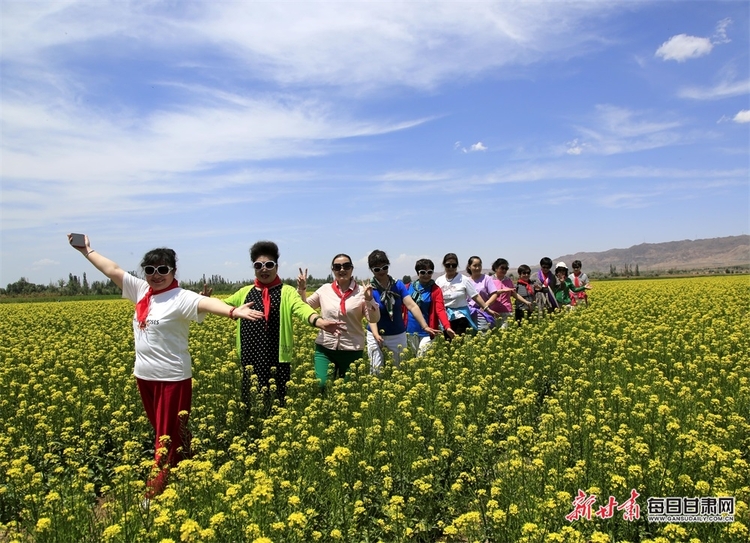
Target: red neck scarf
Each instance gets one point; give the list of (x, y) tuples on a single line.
[(266, 295), (576, 281), (343, 296), (143, 305), (528, 286)]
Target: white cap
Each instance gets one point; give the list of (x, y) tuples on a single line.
[(561, 265)]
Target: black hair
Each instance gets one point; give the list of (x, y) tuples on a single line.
[(339, 256), (377, 258), (264, 248), (469, 263), (162, 255), (546, 261), (498, 263), (450, 256), (523, 268), (424, 264), (576, 264)]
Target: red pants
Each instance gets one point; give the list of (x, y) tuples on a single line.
[(163, 402)]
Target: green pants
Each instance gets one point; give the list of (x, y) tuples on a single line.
[(340, 359)]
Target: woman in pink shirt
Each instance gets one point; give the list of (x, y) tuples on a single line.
[(345, 301), (505, 290)]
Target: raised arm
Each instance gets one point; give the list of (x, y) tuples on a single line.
[(302, 285), (370, 308), (100, 262)]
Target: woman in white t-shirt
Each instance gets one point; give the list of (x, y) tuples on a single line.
[(162, 367), (457, 291)]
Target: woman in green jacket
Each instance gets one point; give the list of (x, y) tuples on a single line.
[(266, 347)]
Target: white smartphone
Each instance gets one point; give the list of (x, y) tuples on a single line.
[(78, 240)]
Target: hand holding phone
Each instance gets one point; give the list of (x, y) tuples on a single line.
[(78, 240)]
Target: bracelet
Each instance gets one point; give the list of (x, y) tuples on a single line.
[(87, 254), (317, 317), (231, 313)]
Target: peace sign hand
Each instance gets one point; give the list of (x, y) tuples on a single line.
[(302, 280), (367, 290)]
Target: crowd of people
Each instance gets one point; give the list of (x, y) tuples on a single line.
[(382, 314)]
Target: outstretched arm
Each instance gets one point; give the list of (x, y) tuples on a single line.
[(412, 306), (217, 307), (484, 305), (100, 262), (520, 298)]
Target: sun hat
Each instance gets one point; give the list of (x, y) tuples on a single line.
[(560, 265)]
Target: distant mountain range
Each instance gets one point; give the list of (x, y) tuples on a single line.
[(698, 254)]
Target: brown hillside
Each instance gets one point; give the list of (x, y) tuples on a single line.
[(679, 255)]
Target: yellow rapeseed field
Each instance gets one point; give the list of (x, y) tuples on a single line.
[(557, 431)]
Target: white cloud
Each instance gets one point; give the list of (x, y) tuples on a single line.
[(682, 47), (724, 89), (414, 175), (743, 116), (575, 147), (720, 34), (478, 146), (302, 43), (44, 263), (614, 130)]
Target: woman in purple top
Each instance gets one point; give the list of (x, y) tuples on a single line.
[(546, 285), (486, 288)]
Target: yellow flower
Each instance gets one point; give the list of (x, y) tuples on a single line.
[(297, 519), (43, 524), (111, 532)]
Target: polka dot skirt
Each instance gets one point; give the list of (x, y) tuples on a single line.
[(260, 345)]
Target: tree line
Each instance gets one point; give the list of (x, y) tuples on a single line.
[(80, 286)]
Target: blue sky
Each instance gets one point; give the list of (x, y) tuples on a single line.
[(515, 130)]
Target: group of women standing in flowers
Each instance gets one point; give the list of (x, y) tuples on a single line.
[(163, 312), (397, 316)]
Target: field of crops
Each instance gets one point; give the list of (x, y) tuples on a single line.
[(490, 438)]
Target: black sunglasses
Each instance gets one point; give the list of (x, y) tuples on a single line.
[(162, 270), (381, 268), (450, 265), (345, 266)]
